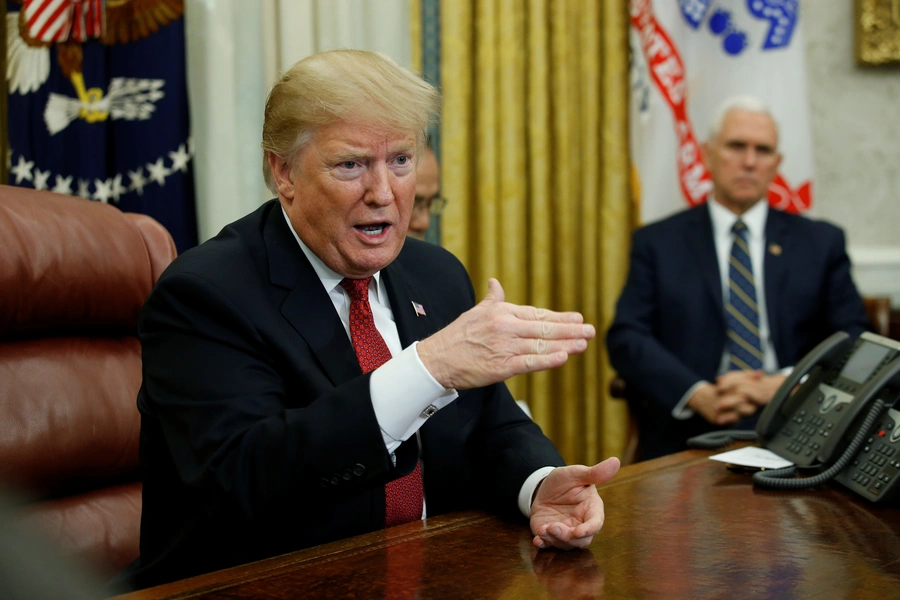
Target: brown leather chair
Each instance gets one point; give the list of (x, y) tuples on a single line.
[(879, 310), (73, 277), (877, 307)]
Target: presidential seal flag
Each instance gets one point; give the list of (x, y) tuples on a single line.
[(688, 56), (98, 105)]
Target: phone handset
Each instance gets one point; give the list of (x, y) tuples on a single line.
[(825, 355), (866, 403)]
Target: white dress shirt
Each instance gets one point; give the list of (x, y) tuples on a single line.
[(722, 222), (402, 388)]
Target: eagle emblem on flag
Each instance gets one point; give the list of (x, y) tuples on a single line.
[(67, 24), (98, 105)]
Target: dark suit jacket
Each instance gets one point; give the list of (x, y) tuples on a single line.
[(258, 435), (669, 329)]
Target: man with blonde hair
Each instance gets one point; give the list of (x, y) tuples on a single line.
[(722, 298), (311, 373)]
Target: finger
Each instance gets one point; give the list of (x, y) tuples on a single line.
[(730, 402), (746, 409), (724, 386), (531, 313), (598, 474), (588, 529), (536, 346), (561, 536), (529, 363), (581, 541), (495, 293), (729, 381), (604, 471), (546, 330)]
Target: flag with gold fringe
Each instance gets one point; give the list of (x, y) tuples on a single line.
[(98, 105)]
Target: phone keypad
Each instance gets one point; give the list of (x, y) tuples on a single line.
[(877, 465), (802, 435)]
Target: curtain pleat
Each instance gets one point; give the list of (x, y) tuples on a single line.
[(535, 164)]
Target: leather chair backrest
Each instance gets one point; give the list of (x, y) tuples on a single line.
[(74, 275)]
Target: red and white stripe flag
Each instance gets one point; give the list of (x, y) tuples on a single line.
[(688, 57), (63, 20)]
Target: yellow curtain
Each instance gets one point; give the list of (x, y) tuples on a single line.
[(535, 165)]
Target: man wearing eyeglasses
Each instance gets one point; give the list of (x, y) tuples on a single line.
[(428, 199)]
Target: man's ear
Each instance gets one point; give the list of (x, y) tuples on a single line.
[(283, 176), (705, 149)]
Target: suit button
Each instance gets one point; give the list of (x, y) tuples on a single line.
[(335, 479), (347, 475), (358, 470)]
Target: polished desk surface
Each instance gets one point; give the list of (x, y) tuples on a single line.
[(681, 526)]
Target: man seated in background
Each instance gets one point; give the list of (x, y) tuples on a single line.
[(720, 299), (312, 374), (428, 194)]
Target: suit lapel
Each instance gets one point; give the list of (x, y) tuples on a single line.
[(774, 266), (700, 240), (402, 291), (307, 306), (441, 440)]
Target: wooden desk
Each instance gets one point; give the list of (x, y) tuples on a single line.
[(680, 526)]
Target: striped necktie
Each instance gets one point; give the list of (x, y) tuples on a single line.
[(741, 311), (403, 497)]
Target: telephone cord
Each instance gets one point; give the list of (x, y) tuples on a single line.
[(776, 478)]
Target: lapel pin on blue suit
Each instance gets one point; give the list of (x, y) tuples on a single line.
[(420, 310), (775, 249)]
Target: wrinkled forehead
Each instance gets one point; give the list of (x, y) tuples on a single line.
[(359, 138)]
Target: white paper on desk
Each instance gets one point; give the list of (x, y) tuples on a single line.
[(751, 456)]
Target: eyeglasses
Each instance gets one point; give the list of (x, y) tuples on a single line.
[(434, 205)]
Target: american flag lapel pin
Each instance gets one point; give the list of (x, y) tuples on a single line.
[(420, 310), (775, 249)]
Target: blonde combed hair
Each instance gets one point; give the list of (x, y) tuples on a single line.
[(356, 85)]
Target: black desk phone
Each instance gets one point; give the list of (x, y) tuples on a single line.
[(834, 415)]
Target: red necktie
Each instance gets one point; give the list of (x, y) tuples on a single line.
[(403, 497)]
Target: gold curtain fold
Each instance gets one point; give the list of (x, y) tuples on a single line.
[(535, 164)]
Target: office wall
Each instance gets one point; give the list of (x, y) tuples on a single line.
[(856, 134)]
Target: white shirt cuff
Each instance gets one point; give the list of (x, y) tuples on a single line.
[(527, 490), (681, 411), (404, 395)]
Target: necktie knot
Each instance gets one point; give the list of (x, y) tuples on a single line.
[(357, 288), (739, 229)]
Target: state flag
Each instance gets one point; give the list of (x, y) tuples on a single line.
[(688, 56)]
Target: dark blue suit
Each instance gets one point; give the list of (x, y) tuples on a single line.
[(669, 329), (258, 435)]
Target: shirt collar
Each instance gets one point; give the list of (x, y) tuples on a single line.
[(329, 278), (723, 219)]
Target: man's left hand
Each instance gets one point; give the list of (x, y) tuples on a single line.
[(567, 511), (755, 385)]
